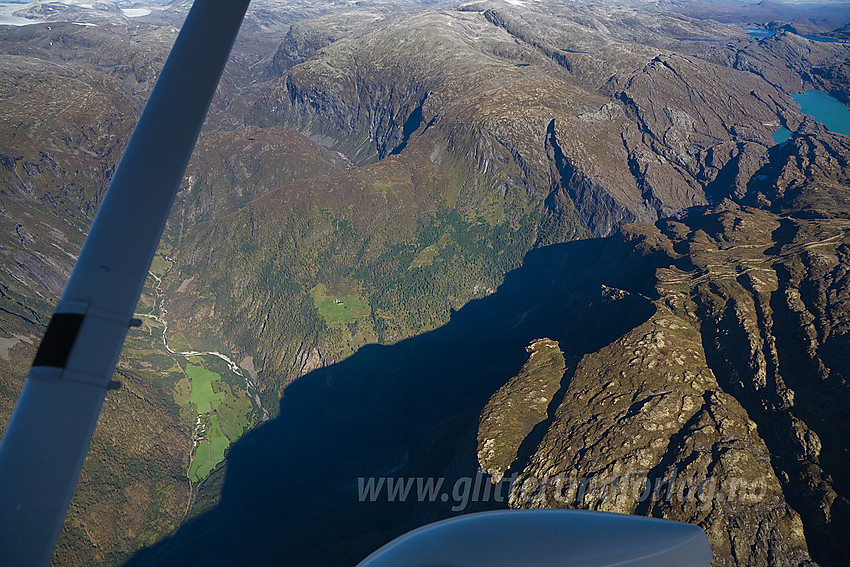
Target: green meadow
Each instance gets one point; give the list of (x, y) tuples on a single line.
[(203, 396), (230, 410), (209, 453), (159, 265), (337, 310)]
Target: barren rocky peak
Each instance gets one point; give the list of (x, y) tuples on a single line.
[(736, 371), (629, 130)]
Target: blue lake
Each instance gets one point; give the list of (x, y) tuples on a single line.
[(824, 108), (755, 32), (759, 33), (823, 39), (781, 135)]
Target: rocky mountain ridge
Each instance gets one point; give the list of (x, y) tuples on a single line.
[(368, 176), (634, 160), (709, 392)]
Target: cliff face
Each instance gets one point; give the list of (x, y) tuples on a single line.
[(532, 131), (647, 153), (518, 407), (724, 408)]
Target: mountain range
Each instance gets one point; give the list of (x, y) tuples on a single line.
[(536, 241)]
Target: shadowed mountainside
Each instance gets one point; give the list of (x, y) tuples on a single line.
[(704, 348), (289, 491)]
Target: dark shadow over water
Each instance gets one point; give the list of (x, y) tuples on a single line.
[(290, 491)]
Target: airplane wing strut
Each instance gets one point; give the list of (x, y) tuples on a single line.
[(48, 435), (49, 432)]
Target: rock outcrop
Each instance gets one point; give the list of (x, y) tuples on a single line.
[(518, 407), (715, 410)]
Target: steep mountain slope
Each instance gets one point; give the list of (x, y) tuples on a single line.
[(739, 367), (495, 142), (70, 96), (701, 355)]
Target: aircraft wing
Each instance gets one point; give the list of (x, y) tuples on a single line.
[(547, 538), (49, 432), (48, 435)]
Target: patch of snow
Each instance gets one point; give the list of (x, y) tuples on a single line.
[(7, 19), (135, 12)]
